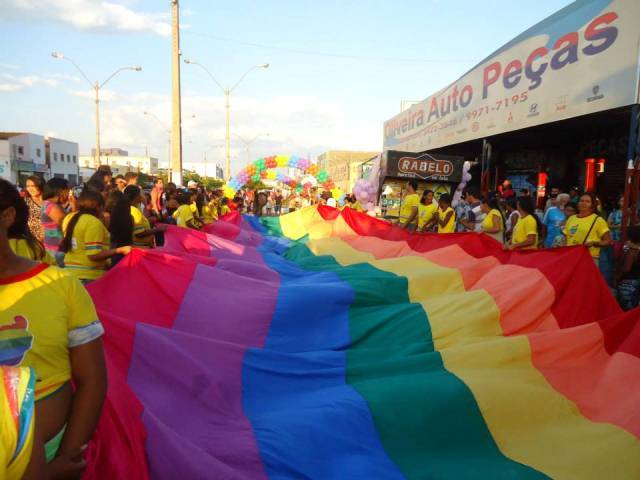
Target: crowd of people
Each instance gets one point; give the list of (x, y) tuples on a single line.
[(54, 240), (566, 219)]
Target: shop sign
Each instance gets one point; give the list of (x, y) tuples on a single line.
[(581, 60), (25, 166), (439, 168)]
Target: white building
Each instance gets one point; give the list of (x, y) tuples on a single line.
[(120, 161), (22, 155), (62, 158)]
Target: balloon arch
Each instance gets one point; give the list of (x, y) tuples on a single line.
[(265, 169)]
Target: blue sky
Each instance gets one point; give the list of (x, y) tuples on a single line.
[(339, 69)]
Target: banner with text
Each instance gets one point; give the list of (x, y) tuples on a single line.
[(582, 59)]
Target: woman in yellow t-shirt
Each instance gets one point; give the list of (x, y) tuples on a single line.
[(224, 208), (143, 234), (184, 214), (86, 243), (445, 217), (210, 210), (52, 327), (426, 210), (23, 242), (493, 223), (525, 233), (409, 209), (587, 228)]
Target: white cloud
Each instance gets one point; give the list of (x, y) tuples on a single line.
[(105, 95), (13, 83), (10, 87), (301, 125), (87, 15), (64, 76), (9, 66)]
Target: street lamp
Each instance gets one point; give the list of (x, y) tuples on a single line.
[(248, 143), (96, 87), (227, 94)]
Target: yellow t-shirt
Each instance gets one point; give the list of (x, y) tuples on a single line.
[(577, 228), (410, 201), (90, 236), (140, 224), (450, 227), (182, 215), (210, 212), (487, 223), (524, 227), (17, 420), (425, 214), (46, 312), (224, 210), (21, 248)]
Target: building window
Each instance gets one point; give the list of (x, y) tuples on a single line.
[(38, 152), (20, 150), (68, 158), (55, 156), (74, 159)]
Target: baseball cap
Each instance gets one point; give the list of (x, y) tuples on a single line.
[(192, 184)]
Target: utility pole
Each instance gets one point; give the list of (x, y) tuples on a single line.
[(176, 124)]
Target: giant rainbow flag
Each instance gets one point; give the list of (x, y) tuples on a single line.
[(331, 345)]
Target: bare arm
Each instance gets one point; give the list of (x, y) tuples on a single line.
[(603, 242), (57, 214), (495, 225), (445, 220), (112, 252), (531, 240), (90, 378), (414, 214)]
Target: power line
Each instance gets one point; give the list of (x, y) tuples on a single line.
[(322, 54)]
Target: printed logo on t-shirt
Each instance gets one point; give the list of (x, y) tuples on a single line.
[(15, 341), (573, 230)]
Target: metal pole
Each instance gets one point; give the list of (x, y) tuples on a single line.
[(97, 89), (632, 165), (227, 138), (176, 124)]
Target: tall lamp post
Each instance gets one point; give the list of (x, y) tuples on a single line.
[(227, 94), (96, 87), (248, 143)]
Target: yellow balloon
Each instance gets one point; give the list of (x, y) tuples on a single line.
[(271, 175), (282, 160), (229, 192), (336, 193)]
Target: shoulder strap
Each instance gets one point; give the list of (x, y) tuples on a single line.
[(584, 240)]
